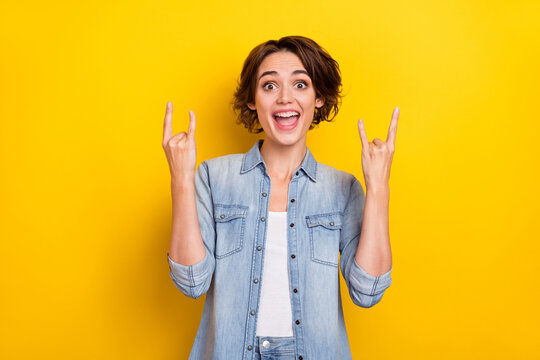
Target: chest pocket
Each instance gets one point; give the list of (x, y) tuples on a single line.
[(230, 225), (324, 233)]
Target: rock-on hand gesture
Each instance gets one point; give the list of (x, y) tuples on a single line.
[(180, 149), (377, 155)]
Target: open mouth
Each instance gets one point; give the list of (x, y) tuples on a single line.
[(287, 121)]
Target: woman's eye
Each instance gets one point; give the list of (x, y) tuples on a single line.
[(271, 86)]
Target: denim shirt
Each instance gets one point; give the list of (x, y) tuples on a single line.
[(324, 215)]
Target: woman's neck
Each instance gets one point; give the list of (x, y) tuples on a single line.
[(282, 161)]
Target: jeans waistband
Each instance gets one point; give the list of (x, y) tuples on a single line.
[(275, 345)]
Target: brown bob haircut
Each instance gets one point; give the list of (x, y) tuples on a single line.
[(321, 67)]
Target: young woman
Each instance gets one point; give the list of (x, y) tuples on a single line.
[(261, 233)]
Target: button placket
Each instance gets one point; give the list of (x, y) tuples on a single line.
[(258, 261), (293, 248)]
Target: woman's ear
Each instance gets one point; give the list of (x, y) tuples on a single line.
[(251, 106), (319, 103)]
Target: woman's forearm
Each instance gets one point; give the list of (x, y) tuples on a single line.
[(186, 246), (374, 254)]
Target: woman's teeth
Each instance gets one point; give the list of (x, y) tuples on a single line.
[(287, 118), (287, 114)]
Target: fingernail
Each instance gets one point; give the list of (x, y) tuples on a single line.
[(397, 109), (169, 103)]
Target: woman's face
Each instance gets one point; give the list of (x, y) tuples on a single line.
[(285, 98)]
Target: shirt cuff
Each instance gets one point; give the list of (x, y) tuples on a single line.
[(190, 275), (368, 284)]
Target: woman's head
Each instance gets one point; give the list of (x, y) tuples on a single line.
[(278, 61)]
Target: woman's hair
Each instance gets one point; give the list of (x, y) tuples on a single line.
[(321, 67)]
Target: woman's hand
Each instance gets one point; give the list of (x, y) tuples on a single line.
[(377, 155), (180, 149)]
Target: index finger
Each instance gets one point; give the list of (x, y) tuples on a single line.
[(191, 127), (363, 136), (167, 123), (392, 130)]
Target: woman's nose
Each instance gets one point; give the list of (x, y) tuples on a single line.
[(284, 95)]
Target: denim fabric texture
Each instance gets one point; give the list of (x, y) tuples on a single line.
[(324, 212), (275, 348)]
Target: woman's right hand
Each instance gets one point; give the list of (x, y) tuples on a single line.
[(180, 149)]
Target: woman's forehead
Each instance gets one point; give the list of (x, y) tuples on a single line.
[(281, 63)]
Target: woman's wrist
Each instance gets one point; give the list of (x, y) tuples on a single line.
[(378, 190), (183, 182)]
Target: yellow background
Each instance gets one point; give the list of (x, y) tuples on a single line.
[(85, 186)]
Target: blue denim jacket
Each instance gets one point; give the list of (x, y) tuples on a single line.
[(324, 213)]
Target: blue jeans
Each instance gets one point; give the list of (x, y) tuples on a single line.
[(275, 348)]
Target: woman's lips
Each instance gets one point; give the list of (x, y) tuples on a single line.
[(287, 123)]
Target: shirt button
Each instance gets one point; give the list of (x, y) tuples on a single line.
[(332, 223), (300, 357), (297, 322), (255, 281), (250, 347), (292, 225), (262, 219), (297, 173), (259, 248), (252, 312), (266, 344), (295, 290), (222, 216), (292, 200), (293, 256), (264, 194)]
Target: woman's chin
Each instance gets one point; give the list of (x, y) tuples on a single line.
[(287, 138)]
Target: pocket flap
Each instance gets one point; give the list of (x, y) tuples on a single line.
[(330, 220), (223, 213)]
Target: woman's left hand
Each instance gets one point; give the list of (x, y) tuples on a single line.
[(377, 155)]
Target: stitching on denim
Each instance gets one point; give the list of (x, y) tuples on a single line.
[(278, 352), (313, 258), (191, 281), (258, 225), (298, 331), (312, 241), (242, 215), (374, 286)]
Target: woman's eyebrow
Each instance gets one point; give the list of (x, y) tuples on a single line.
[(273, 72)]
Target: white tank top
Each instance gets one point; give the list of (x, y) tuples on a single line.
[(275, 313)]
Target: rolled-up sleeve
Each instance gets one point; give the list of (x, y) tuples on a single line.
[(365, 289), (191, 280), (195, 280)]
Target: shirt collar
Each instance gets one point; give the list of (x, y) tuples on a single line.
[(253, 158)]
